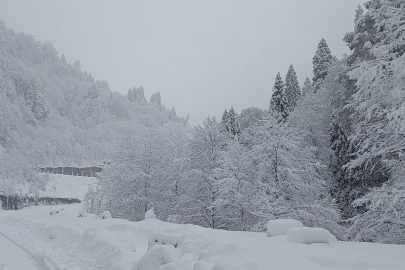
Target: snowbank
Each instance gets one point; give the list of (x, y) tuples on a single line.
[(281, 226), (306, 235)]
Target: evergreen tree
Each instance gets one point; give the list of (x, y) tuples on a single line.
[(172, 114), (224, 120), (156, 99), (321, 62), (292, 88), (77, 65), (359, 12), (230, 123), (130, 94), (31, 95), (139, 94), (279, 104), (92, 92), (40, 111), (307, 88)]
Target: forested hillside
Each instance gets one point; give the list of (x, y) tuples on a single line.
[(330, 153), (55, 113)]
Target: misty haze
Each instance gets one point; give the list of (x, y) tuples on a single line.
[(202, 135)]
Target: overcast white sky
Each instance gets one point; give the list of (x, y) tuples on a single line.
[(203, 56)]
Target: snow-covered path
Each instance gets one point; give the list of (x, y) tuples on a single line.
[(13, 257)]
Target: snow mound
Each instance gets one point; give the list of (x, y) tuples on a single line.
[(164, 239), (281, 226), (82, 213), (306, 235), (156, 257), (105, 215), (150, 214)]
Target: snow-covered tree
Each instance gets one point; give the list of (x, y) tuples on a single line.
[(230, 123), (156, 99), (291, 186), (40, 111), (279, 104), (250, 116), (236, 187), (321, 62), (31, 95), (292, 88), (376, 65), (307, 88), (136, 94), (200, 194)]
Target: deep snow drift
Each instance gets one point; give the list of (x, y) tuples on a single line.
[(115, 244)]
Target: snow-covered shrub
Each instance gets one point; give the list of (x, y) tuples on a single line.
[(281, 226), (156, 257), (82, 213), (150, 214), (164, 239), (306, 235), (105, 215)]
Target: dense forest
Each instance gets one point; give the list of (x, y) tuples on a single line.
[(329, 153)]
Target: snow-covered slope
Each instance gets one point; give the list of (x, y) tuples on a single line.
[(115, 244), (67, 186)]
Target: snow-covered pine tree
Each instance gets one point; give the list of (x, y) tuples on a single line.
[(31, 95), (130, 95), (278, 103), (359, 13), (230, 123), (40, 111), (225, 120), (172, 114), (292, 88), (307, 88), (156, 99), (139, 94), (321, 62)]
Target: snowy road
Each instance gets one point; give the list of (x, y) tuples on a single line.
[(13, 257)]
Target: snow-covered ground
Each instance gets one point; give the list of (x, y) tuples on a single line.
[(13, 257), (67, 186), (116, 244)]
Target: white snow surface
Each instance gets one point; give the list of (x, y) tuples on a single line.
[(306, 235), (67, 186), (150, 214), (281, 226), (117, 244)]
